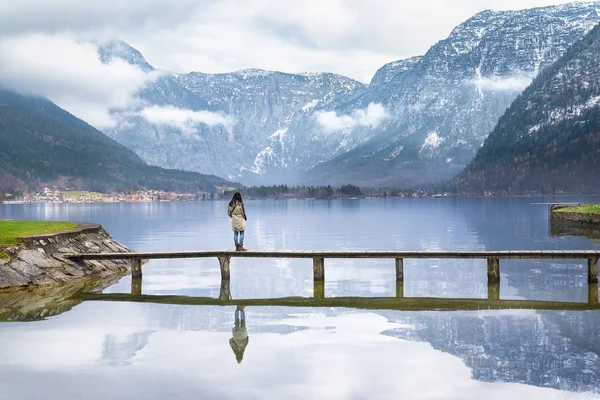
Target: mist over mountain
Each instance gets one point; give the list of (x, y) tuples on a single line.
[(232, 124)]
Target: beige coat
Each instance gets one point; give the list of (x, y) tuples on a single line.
[(238, 217)]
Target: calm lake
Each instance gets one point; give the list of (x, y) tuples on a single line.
[(121, 350)]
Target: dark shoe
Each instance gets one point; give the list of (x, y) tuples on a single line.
[(242, 248), (237, 247)]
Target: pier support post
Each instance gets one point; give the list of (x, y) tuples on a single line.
[(399, 270), (136, 268), (136, 286), (225, 293), (593, 270), (493, 270), (399, 290), (319, 290), (224, 264), (494, 290), (593, 294), (318, 269)]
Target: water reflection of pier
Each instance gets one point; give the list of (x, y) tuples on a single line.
[(493, 301), (318, 257)]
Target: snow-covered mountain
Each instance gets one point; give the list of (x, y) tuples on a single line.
[(443, 105), (419, 120), (549, 139), (231, 124)]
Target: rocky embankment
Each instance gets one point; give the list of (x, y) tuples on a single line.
[(40, 259), (576, 217)]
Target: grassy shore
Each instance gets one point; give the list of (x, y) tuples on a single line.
[(10, 231), (584, 209)]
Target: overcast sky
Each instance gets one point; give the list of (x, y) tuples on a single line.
[(42, 49)]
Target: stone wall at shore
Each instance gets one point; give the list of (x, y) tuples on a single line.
[(40, 259), (585, 218)]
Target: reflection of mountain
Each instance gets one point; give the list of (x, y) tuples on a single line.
[(547, 349), (120, 351)]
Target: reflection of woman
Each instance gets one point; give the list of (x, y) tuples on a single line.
[(239, 341), (238, 220)]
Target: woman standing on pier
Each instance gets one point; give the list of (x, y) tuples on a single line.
[(238, 220)]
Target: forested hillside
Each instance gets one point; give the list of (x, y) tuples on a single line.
[(42, 144)]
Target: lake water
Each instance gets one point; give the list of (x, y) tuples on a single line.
[(121, 350)]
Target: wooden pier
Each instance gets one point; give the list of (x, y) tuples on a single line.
[(318, 258), (319, 299)]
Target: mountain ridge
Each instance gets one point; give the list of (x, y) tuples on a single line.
[(261, 105), (549, 139), (448, 102), (433, 111), (42, 144)]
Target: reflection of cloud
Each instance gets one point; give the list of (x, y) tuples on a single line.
[(371, 117), (338, 357), (195, 274), (185, 120), (120, 351), (360, 277), (74, 340)]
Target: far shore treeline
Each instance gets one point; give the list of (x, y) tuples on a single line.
[(278, 192), (316, 192)]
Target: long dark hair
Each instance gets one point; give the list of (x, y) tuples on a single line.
[(237, 197)]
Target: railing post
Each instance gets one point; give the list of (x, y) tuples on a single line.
[(319, 289), (136, 268), (224, 264), (318, 269), (593, 270), (493, 270), (399, 270)]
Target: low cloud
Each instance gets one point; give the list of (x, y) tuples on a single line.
[(515, 83), (70, 74), (185, 120), (371, 117)]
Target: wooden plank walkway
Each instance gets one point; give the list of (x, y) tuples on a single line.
[(318, 256), (504, 254)]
